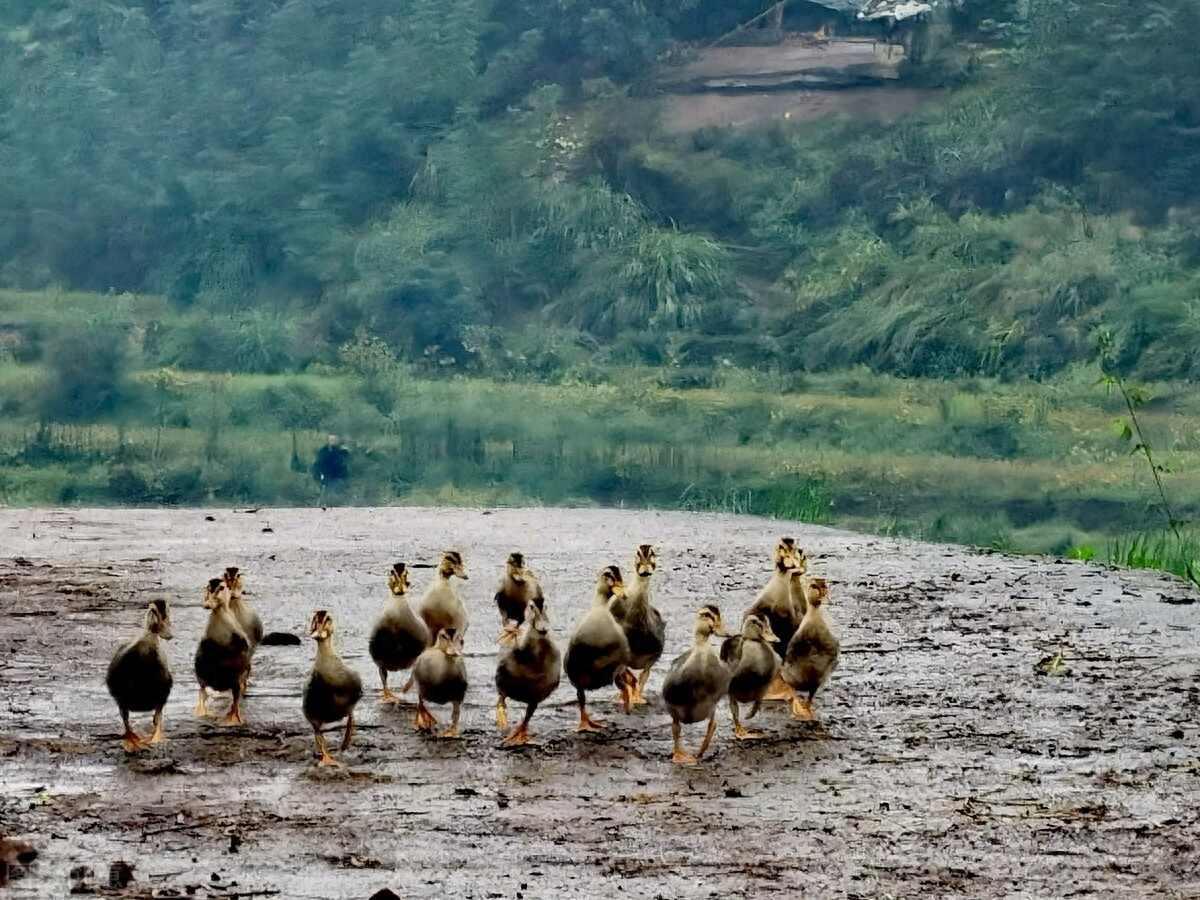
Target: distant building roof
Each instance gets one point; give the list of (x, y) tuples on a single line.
[(881, 9)]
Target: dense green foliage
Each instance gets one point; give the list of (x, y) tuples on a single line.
[(436, 171), (350, 204)]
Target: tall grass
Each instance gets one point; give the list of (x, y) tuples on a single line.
[(1177, 552), (913, 457)]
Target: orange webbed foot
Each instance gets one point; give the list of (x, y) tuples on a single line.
[(516, 737), (587, 723)]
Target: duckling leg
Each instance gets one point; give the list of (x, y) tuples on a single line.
[(708, 735), (680, 755), (424, 720), (202, 705), (326, 759), (754, 709), (349, 731), (639, 696), (520, 734), (131, 740), (624, 684), (452, 731), (586, 722), (158, 736), (739, 730), (388, 696), (407, 685), (628, 685), (501, 713), (234, 716), (802, 709)]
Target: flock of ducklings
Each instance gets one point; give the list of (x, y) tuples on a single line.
[(786, 650)]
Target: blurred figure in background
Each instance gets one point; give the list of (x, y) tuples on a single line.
[(331, 470)]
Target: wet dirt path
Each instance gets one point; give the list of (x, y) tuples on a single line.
[(944, 764)]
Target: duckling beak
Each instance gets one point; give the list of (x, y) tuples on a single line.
[(165, 633), (618, 589), (770, 636)]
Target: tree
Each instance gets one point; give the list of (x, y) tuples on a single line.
[(85, 376)]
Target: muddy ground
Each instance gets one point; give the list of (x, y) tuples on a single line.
[(944, 765), (690, 112)]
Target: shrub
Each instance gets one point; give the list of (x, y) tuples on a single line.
[(85, 376)]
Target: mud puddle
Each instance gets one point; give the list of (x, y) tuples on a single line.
[(944, 763)]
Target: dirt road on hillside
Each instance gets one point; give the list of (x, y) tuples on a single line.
[(944, 764)]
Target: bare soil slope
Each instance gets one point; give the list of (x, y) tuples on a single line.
[(944, 764)]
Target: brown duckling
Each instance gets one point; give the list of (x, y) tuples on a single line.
[(812, 654), (528, 672), (752, 665), (15, 858), (247, 617), (400, 635), (139, 676), (333, 688), (643, 624), (776, 603), (223, 657), (598, 652), (441, 677), (441, 607), (519, 587), (696, 682)]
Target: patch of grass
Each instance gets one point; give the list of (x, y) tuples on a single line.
[(1164, 549)]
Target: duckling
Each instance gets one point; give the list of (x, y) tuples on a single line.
[(696, 682), (598, 652), (519, 587), (441, 606), (752, 665), (812, 653), (333, 688), (528, 672), (643, 624), (400, 636), (776, 603), (250, 620), (139, 676), (15, 858), (223, 657), (441, 677)]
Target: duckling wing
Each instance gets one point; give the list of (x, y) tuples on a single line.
[(646, 632), (752, 672), (531, 673), (331, 694), (811, 656), (396, 641), (780, 612), (138, 677), (694, 685), (731, 650), (253, 626), (598, 651), (439, 678)]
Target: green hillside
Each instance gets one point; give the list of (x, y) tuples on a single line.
[(378, 200)]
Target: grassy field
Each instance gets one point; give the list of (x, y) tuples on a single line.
[(1017, 467)]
